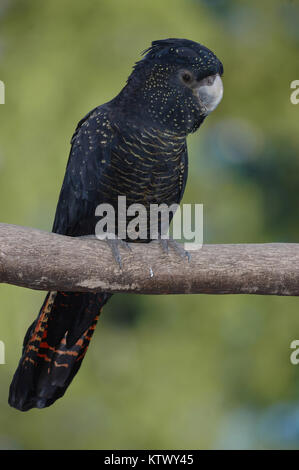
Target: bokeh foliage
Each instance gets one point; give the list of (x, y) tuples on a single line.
[(162, 371)]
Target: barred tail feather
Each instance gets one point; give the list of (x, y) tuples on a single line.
[(50, 360)]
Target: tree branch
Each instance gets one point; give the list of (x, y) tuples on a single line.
[(47, 261)]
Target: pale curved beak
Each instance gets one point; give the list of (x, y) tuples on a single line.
[(209, 92)]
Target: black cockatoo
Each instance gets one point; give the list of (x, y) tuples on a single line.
[(133, 146)]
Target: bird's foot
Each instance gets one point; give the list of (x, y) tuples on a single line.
[(115, 244), (167, 243)]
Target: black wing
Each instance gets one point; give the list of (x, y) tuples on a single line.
[(81, 188)]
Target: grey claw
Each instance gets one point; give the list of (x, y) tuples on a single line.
[(177, 247), (164, 245), (126, 245), (114, 244)]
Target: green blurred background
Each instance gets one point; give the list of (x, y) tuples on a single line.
[(176, 372)]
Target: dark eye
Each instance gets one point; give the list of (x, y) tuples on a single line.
[(186, 76)]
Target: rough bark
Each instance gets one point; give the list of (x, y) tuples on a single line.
[(46, 261)]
